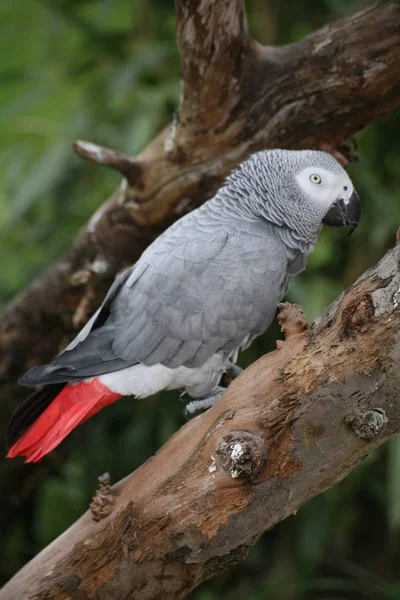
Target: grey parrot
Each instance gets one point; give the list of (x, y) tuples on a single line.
[(202, 291)]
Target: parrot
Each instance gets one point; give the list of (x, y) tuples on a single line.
[(200, 293)]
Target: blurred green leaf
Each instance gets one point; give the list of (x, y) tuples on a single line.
[(394, 483)]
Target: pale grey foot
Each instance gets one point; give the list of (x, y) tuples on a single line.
[(204, 403), (233, 370)]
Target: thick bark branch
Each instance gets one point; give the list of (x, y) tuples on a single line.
[(211, 74), (292, 425)]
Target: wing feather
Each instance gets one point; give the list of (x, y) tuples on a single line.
[(195, 291)]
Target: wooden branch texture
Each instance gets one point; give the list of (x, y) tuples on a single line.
[(292, 425)]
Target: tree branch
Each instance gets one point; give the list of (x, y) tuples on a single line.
[(112, 159), (213, 42), (292, 425)]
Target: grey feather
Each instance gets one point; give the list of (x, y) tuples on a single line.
[(178, 311), (208, 284)]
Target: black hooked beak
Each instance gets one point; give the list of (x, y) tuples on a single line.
[(341, 214)]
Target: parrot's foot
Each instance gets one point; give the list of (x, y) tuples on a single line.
[(204, 403), (233, 370)]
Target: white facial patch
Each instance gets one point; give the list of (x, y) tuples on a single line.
[(324, 186)]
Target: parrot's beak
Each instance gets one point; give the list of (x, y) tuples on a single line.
[(342, 214)]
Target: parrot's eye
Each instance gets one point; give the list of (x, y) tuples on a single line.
[(315, 178)]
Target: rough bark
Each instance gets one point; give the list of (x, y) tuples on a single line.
[(292, 425)]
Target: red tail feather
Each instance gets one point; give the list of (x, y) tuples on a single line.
[(73, 405)]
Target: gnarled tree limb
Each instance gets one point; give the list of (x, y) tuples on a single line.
[(292, 425)]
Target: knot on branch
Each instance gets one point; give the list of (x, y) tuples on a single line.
[(217, 564), (357, 316), (367, 424), (70, 584), (103, 501), (292, 321), (182, 554), (99, 267), (242, 453)]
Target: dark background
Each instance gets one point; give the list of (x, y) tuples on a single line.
[(108, 71)]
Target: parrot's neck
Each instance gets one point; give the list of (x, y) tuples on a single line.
[(250, 214), (292, 242)]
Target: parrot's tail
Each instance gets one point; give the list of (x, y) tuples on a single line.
[(46, 417)]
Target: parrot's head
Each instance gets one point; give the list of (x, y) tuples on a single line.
[(327, 184), (299, 190)]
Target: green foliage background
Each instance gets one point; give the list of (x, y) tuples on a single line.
[(108, 71)]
